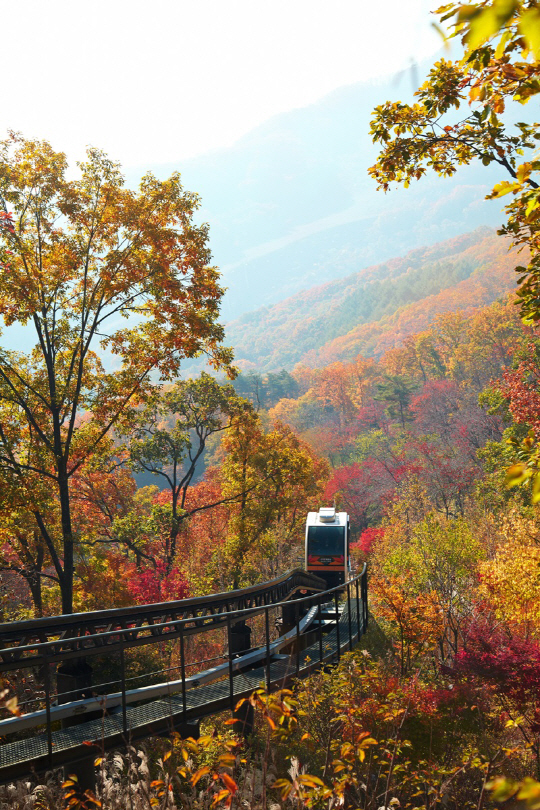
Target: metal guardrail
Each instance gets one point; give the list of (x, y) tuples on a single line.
[(125, 714), (68, 636)]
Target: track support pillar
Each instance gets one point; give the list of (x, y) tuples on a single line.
[(240, 643)]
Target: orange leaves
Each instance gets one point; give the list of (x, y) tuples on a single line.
[(82, 253), (198, 774), (416, 616)]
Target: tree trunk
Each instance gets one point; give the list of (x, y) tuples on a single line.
[(66, 583)]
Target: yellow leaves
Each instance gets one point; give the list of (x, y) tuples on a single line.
[(517, 474), (510, 580), (310, 781), (219, 797), (477, 92), (285, 787), (505, 187), (227, 760), (524, 172), (479, 23), (529, 26), (514, 723), (527, 791)]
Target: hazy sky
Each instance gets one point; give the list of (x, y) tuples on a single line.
[(159, 81)]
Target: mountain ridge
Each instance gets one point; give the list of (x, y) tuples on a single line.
[(375, 308)]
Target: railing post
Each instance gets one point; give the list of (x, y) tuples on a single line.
[(183, 671), (349, 614), (358, 610), (365, 598), (297, 645), (47, 678), (241, 643), (123, 681), (336, 607), (287, 616), (74, 682), (267, 636), (320, 629), (229, 651)]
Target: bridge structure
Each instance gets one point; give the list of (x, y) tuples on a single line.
[(90, 682)]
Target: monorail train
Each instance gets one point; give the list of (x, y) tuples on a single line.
[(327, 545)]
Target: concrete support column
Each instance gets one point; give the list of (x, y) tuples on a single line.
[(241, 643), (74, 682)]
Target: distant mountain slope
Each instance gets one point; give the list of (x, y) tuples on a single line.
[(291, 205), (374, 309)]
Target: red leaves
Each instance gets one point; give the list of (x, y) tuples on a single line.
[(510, 662), (368, 538), (154, 585)]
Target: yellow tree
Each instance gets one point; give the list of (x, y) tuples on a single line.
[(274, 479), (86, 266)]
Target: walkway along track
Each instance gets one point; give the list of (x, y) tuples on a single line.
[(324, 623)]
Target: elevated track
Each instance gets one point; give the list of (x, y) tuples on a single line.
[(299, 626)]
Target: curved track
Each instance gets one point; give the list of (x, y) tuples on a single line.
[(91, 718)]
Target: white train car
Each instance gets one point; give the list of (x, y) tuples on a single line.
[(327, 545)]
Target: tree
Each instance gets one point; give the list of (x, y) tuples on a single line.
[(76, 256), (277, 478), (500, 65), (397, 392), (198, 409)]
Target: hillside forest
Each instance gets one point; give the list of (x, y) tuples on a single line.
[(407, 394)]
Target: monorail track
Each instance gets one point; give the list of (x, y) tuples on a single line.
[(324, 628)]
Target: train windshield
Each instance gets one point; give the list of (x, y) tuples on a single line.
[(326, 540)]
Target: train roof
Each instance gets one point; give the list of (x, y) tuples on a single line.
[(327, 517)]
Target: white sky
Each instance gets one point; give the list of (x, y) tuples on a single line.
[(163, 80)]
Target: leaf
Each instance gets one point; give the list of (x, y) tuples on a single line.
[(92, 798), (198, 774), (529, 26), (482, 27), (12, 705), (516, 474), (443, 36), (523, 171), (227, 760), (500, 189), (310, 781), (529, 792), (223, 794), (284, 786), (98, 761), (532, 205), (229, 782), (535, 498), (166, 756)]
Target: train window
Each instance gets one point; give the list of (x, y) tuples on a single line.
[(326, 540)]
